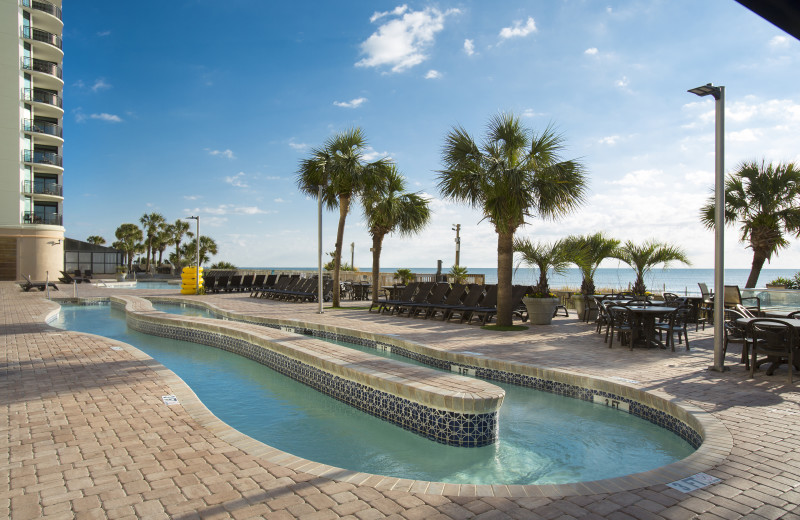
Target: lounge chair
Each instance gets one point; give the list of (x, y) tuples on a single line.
[(486, 311), (67, 278), (208, 283), (440, 296), (262, 285), (235, 283), (247, 283), (453, 299), (257, 282), (435, 295), (474, 294), (405, 297), (488, 305), (279, 285), (222, 284), (28, 285), (420, 296)]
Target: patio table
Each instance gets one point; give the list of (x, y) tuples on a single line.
[(646, 316)]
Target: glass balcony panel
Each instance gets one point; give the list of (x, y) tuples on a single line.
[(53, 219), (41, 127), (47, 67), (46, 7), (42, 96), (40, 187), (33, 156), (32, 33)]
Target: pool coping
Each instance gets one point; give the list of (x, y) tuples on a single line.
[(717, 441)]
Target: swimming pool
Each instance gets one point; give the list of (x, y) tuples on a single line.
[(534, 447)]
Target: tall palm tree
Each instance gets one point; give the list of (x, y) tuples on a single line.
[(515, 174), (545, 257), (587, 251), (340, 169), (129, 238), (208, 247), (152, 223), (96, 240), (161, 241), (643, 258), (389, 209), (765, 200), (179, 228)]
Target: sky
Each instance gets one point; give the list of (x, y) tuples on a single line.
[(204, 107)]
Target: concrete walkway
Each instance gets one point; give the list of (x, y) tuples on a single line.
[(86, 434)]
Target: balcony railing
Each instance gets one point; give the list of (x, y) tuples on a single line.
[(51, 220), (46, 7), (41, 127), (42, 96), (33, 156), (32, 33), (48, 67), (41, 188)]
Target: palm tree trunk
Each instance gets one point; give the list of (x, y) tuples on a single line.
[(344, 206), (377, 243), (147, 267), (759, 257), (177, 257), (505, 261)]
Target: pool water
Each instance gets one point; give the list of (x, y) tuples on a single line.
[(544, 438)]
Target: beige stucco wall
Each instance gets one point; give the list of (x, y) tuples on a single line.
[(38, 251)]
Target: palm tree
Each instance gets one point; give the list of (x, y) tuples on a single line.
[(179, 228), (152, 223), (515, 174), (642, 259), (207, 247), (765, 200), (587, 252), (161, 241), (459, 273), (389, 209), (545, 257), (96, 240), (129, 238), (339, 168)]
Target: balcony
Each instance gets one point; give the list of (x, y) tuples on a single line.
[(50, 220), (46, 158), (42, 188), (42, 96), (45, 7), (40, 127), (38, 35), (46, 67)]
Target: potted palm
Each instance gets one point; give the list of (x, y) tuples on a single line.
[(458, 273), (405, 276), (642, 258), (122, 271), (587, 252), (541, 303)]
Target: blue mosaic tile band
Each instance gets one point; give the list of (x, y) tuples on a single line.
[(446, 427), (636, 408)]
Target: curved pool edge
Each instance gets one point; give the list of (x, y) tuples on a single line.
[(717, 441)]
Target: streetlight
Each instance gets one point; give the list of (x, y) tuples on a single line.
[(197, 265), (457, 229), (319, 250), (719, 219)]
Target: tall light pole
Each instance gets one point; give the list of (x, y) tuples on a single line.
[(719, 219), (457, 229), (319, 250), (197, 265), (352, 254)]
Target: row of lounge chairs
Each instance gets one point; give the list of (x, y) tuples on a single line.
[(466, 302), (76, 277), (273, 286)]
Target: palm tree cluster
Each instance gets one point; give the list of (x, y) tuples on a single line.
[(340, 169), (155, 236)]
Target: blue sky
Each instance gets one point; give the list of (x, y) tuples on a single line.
[(207, 107)]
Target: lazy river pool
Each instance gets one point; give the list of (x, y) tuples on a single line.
[(544, 438)]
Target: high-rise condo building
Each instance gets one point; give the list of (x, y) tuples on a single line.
[(31, 139)]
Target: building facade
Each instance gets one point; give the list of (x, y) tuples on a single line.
[(31, 139)]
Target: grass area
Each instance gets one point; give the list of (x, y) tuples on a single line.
[(508, 328)]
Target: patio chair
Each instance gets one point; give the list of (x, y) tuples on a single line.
[(486, 310), (676, 321), (624, 323), (453, 299), (436, 296), (735, 333), (590, 304), (487, 304), (773, 338), (420, 296), (733, 297), (28, 285), (603, 316), (471, 301), (405, 297)]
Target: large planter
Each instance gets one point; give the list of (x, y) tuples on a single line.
[(579, 304), (540, 310)]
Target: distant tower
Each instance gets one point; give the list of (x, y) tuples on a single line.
[(31, 139)]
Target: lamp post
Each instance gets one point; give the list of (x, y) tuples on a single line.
[(457, 229), (319, 250), (197, 265), (719, 219)]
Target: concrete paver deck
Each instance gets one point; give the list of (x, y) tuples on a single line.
[(86, 435)]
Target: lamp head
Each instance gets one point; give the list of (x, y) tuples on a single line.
[(706, 90)]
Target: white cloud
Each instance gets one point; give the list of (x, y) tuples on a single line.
[(278, 200), (609, 140), (747, 135), (517, 30), (111, 118), (591, 51), (400, 43), (779, 42), (298, 146), (353, 103), (433, 74), (469, 47), (237, 180), (103, 34), (623, 82), (227, 154), (641, 178), (397, 11), (370, 154), (230, 209), (529, 112), (100, 84), (191, 197)]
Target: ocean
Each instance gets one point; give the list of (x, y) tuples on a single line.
[(681, 281)]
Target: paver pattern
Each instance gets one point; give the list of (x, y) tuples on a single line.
[(85, 434)]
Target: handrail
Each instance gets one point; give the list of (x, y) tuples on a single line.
[(41, 127), (47, 67), (41, 188), (43, 6), (37, 157), (42, 96), (51, 220), (39, 35)]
